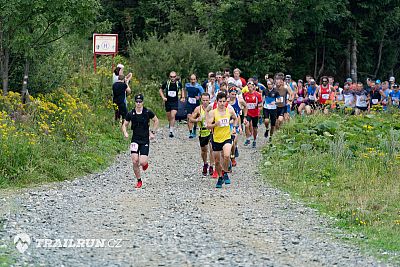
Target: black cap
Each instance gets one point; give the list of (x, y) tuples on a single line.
[(139, 97)]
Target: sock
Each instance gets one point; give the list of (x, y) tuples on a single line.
[(171, 129), (190, 131)]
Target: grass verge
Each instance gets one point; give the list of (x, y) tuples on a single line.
[(347, 167)]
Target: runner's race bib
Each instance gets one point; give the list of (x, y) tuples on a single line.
[(279, 99), (340, 98), (172, 93), (300, 99), (251, 105), (325, 96), (192, 100), (375, 101), (311, 97), (224, 122), (270, 106), (134, 147)]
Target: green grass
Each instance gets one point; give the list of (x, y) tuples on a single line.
[(347, 167)]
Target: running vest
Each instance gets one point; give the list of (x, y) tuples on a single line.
[(324, 94), (236, 107), (223, 131), (203, 127)]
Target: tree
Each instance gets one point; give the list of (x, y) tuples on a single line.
[(28, 26)]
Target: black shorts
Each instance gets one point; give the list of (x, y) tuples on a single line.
[(220, 146), (362, 108), (253, 120), (141, 149), (122, 110), (204, 141), (280, 111), (270, 114), (190, 107), (312, 104), (171, 106)]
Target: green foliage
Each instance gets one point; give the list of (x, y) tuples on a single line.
[(346, 166), (184, 53), (57, 136)]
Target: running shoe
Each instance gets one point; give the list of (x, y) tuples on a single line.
[(254, 144), (171, 134), (234, 163), (205, 167), (220, 182), (210, 170), (191, 135), (247, 142), (215, 174), (266, 134), (139, 184), (236, 152), (226, 178), (144, 167)]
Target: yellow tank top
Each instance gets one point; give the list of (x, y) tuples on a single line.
[(223, 132), (203, 130)]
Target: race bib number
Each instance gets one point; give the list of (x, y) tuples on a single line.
[(340, 98), (251, 105), (325, 96), (375, 101), (395, 100), (172, 93), (192, 100), (300, 99), (311, 97), (134, 147), (279, 99), (224, 122), (270, 106)]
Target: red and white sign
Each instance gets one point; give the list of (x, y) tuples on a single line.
[(105, 44)]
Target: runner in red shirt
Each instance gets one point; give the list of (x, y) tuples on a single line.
[(323, 92), (253, 100)]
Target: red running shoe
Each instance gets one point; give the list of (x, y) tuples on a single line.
[(215, 174), (139, 184), (234, 163), (144, 167)]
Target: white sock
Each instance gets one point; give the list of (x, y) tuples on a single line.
[(171, 129)]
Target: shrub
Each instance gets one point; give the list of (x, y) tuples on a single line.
[(184, 53)]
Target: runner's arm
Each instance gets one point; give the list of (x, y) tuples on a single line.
[(162, 94), (210, 120), (155, 124), (123, 128), (195, 115)]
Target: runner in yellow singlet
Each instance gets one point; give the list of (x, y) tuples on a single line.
[(219, 121), (199, 116)]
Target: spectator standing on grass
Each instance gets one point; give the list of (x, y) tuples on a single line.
[(120, 90)]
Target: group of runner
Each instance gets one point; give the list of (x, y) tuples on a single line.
[(223, 107)]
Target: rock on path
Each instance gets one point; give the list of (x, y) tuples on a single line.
[(178, 218)]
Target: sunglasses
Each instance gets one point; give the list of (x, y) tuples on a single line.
[(250, 83), (172, 76), (139, 101)]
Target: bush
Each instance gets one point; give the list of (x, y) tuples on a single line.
[(184, 53)]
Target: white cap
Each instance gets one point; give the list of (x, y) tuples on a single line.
[(120, 66), (391, 79)]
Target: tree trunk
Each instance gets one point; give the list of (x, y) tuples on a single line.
[(378, 64), (354, 61), (24, 91), (4, 70), (348, 61), (316, 58), (4, 61), (323, 62)]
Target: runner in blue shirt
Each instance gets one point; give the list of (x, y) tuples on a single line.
[(193, 93)]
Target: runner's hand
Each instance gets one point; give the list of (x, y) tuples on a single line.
[(126, 135), (164, 99), (152, 136)]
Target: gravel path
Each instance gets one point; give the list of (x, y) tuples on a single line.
[(178, 218)]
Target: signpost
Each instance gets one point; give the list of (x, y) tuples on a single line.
[(104, 44)]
